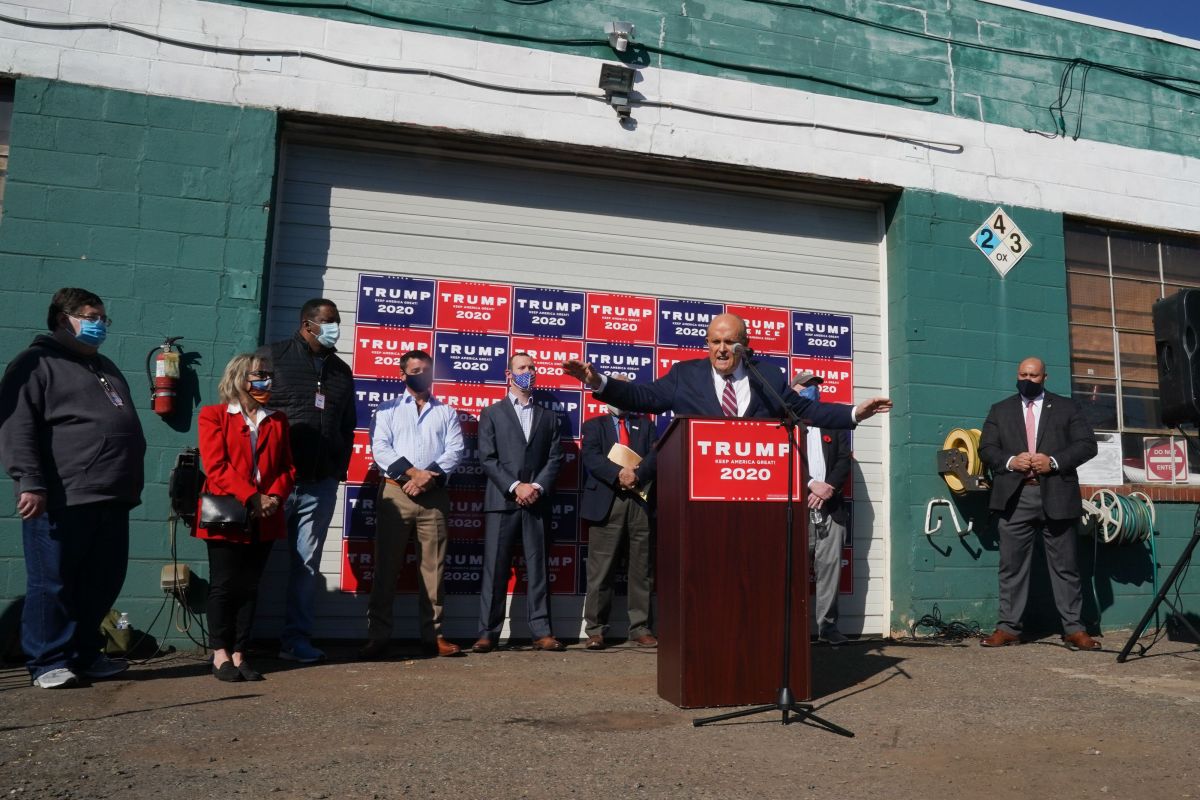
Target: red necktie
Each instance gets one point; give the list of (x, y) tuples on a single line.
[(729, 398), (622, 432)]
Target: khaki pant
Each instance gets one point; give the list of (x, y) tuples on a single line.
[(397, 515)]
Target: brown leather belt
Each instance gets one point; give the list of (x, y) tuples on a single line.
[(395, 483)]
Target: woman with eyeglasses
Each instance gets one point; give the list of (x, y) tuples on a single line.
[(245, 450)]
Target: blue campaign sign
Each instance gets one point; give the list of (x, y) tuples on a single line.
[(567, 404), (815, 333), (548, 312), (564, 517), (663, 421), (779, 362), (684, 323), (469, 471), (470, 357), (358, 513), (395, 300), (369, 394), (626, 360)]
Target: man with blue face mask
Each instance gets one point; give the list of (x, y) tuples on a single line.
[(71, 441), (828, 459), (315, 389), (520, 453)]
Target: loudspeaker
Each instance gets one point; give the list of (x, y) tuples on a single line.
[(1177, 350)]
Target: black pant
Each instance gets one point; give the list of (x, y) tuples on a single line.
[(233, 574)]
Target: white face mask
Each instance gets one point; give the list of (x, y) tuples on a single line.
[(329, 332)]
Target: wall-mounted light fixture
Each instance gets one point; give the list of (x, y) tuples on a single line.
[(619, 34), (617, 82)]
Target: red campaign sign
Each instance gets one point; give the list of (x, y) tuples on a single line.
[(466, 520), (769, 329), (548, 357), (838, 376), (624, 318), (377, 350), (667, 357), (468, 399), (740, 460), (474, 307), (1166, 459), (362, 466), (564, 562), (358, 565)]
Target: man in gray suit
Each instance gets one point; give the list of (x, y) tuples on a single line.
[(1033, 442), (521, 455)]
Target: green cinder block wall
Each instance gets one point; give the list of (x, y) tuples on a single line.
[(162, 207), (957, 331)]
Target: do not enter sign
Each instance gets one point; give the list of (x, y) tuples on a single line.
[(1166, 459)]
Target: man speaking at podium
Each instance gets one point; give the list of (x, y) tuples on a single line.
[(721, 385)]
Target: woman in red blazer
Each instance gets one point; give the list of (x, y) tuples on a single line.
[(246, 453)]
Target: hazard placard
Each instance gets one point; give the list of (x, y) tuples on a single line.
[(1001, 241)]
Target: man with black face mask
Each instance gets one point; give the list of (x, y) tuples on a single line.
[(417, 442), (1033, 442)]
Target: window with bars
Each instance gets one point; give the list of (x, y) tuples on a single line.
[(1114, 276)]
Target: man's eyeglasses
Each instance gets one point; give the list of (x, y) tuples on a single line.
[(107, 320)]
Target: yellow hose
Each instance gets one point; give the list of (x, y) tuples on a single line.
[(965, 440)]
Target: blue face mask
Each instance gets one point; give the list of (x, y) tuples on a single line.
[(261, 386), (525, 380), (328, 336), (811, 393), (92, 332)]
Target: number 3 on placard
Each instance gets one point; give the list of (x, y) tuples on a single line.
[(1014, 242)]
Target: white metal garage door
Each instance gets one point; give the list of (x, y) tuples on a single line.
[(348, 212)]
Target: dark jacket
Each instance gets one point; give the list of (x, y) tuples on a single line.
[(322, 439), (1063, 433), (599, 435), (688, 391), (507, 457), (835, 446), (62, 435)]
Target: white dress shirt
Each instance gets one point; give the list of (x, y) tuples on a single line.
[(432, 435), (252, 422)]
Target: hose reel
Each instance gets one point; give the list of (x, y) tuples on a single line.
[(1121, 519), (959, 461)]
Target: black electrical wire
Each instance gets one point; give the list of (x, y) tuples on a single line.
[(953, 631), (241, 51)]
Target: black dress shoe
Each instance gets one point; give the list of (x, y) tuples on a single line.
[(228, 672), (248, 672)]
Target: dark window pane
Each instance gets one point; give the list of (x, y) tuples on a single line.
[(1098, 399), (1089, 299), (1092, 352), (1134, 299), (1086, 248), (1141, 406), (1134, 255), (1138, 362), (1181, 261)]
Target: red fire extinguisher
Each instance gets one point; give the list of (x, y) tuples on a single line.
[(165, 376)]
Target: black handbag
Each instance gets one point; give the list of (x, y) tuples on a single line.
[(222, 512)]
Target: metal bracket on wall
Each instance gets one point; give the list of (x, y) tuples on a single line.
[(939, 501)]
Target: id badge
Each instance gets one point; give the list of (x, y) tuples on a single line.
[(319, 401), (113, 396)]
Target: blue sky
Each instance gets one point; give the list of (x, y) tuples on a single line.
[(1180, 17)]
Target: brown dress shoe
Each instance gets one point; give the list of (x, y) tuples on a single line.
[(440, 648), (645, 640), (1000, 638), (1079, 640), (594, 643), (375, 648), (483, 645), (548, 643)]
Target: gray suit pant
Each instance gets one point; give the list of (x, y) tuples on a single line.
[(825, 541), (1017, 531), (502, 529), (626, 519)]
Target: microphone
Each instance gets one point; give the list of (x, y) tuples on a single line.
[(742, 350)]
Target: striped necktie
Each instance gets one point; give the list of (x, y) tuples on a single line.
[(729, 398)]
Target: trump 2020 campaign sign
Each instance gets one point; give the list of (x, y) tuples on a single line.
[(472, 329)]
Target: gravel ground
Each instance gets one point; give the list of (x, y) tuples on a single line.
[(931, 720)]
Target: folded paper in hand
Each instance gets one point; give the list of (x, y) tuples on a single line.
[(626, 458)]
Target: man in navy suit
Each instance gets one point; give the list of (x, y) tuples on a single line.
[(1033, 442), (612, 501), (720, 385), (520, 453)]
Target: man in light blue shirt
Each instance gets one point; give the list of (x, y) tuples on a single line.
[(417, 443)]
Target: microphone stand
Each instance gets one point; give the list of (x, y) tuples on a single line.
[(785, 702)]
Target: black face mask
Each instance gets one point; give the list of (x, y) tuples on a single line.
[(1028, 389), (419, 383)]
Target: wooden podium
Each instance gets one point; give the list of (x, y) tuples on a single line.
[(720, 564)]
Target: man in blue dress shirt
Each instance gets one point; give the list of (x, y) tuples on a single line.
[(417, 442)]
